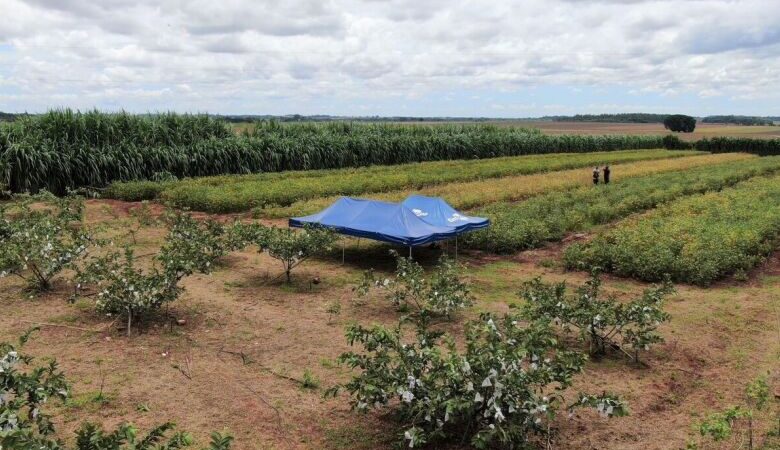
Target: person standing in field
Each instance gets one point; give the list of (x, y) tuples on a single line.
[(595, 175), (606, 174)]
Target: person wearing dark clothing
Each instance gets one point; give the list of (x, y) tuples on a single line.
[(596, 175), (606, 174)]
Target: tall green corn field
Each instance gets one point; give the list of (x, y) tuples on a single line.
[(64, 149)]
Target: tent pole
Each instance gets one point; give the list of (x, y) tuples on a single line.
[(456, 247), (410, 252), (343, 250)]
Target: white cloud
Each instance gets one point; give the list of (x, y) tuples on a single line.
[(263, 56)]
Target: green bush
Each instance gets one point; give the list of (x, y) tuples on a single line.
[(442, 293), (604, 323), (41, 236), (131, 292), (289, 246), (502, 389), (757, 408), (672, 142)]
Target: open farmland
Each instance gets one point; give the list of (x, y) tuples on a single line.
[(244, 192), (217, 324), (63, 150), (696, 240), (550, 217), (703, 130), (471, 194)]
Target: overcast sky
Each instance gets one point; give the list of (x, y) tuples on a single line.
[(392, 57)]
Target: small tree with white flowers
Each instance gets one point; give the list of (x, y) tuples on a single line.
[(504, 388), (40, 236)]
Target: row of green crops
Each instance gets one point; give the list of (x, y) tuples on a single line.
[(763, 147), (697, 239), (549, 217), (65, 149), (244, 192), (466, 195)]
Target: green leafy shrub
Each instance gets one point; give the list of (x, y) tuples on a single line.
[(504, 388), (758, 406), (603, 323), (442, 294), (673, 142), (126, 290), (24, 424), (131, 292), (292, 247), (40, 236)]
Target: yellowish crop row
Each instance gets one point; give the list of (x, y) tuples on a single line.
[(467, 195)]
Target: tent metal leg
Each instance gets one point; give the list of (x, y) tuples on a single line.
[(343, 250), (410, 252), (456, 248)]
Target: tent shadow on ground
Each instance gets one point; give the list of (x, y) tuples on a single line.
[(376, 255)]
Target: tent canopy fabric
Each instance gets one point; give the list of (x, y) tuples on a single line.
[(395, 223), (436, 211)]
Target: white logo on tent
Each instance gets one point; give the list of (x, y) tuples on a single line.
[(419, 212), (456, 217)]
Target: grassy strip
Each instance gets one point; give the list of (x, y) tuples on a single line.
[(243, 192), (518, 226), (467, 195), (697, 239)]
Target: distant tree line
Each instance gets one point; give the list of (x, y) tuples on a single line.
[(740, 120), (615, 118), (326, 118), (9, 117)]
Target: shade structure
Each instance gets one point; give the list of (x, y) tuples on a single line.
[(382, 221), (436, 211)]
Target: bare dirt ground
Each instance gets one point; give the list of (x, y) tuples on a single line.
[(248, 339)]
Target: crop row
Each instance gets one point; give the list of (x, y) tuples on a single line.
[(763, 147), (472, 194), (697, 239), (549, 217), (65, 150), (243, 192)]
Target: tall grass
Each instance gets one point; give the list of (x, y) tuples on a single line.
[(65, 149)]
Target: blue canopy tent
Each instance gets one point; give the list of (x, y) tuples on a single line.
[(427, 220), (436, 211)]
